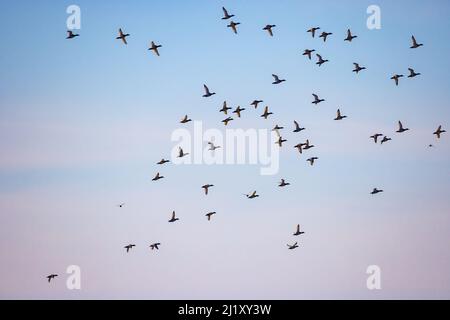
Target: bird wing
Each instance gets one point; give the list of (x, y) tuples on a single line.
[(253, 194), (206, 89), (173, 214), (338, 113), (315, 96), (298, 228), (349, 33), (225, 12), (400, 126), (124, 39), (296, 125), (275, 77), (414, 40)]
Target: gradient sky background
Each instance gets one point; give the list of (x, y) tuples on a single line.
[(83, 122)]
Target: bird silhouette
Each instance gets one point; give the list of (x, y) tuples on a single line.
[(357, 68), (439, 131), (283, 183), (225, 121), (71, 35), (312, 160), (308, 53), (297, 127), (206, 188), (238, 111), (225, 108), (339, 116), (173, 218), (129, 247), (163, 161), (350, 37), (268, 28), (255, 103), (154, 47), (185, 119), (400, 128), (157, 177), (277, 80), (375, 191), (210, 214), (51, 277), (280, 141), (233, 25), (122, 36), (316, 99), (292, 247), (252, 195), (320, 61), (313, 31), (307, 145), (207, 92), (297, 231), (181, 153), (299, 147), (226, 15), (385, 139), (213, 147), (412, 73), (396, 77), (375, 137), (266, 113), (414, 43), (155, 246), (324, 35)]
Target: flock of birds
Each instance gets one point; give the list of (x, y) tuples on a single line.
[(301, 147)]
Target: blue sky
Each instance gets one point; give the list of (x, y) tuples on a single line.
[(84, 121)]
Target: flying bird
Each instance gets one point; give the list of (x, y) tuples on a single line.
[(400, 128), (312, 160), (71, 35), (123, 36), (313, 31), (350, 37), (280, 141), (308, 53), (324, 35), (163, 161), (439, 131), (226, 15), (277, 127), (357, 68), (412, 73), (277, 80), (252, 195), (375, 191), (181, 153), (316, 99), (185, 119), (321, 60), (227, 120), (129, 247), (414, 43), (339, 116), (173, 218), (51, 277), (210, 214), (299, 147), (396, 77), (213, 147), (207, 92), (154, 47), (298, 232), (266, 113), (291, 247), (155, 246), (233, 25), (385, 139), (375, 137), (297, 127), (238, 111), (206, 188), (307, 146), (268, 28), (283, 183), (225, 108), (255, 103), (157, 177)]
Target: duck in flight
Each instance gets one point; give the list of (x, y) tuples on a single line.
[(316, 99), (385, 139), (298, 232), (129, 247), (308, 53), (299, 147), (238, 111), (266, 113), (154, 47), (396, 77), (292, 247), (51, 277), (233, 25), (277, 79), (375, 191), (71, 35), (412, 73), (157, 177), (339, 116), (255, 103), (155, 246), (213, 147), (415, 45), (206, 188), (313, 31), (321, 61), (207, 92), (225, 121), (324, 35), (185, 119), (312, 160), (307, 146), (375, 137), (163, 161), (226, 15), (297, 127), (439, 131), (350, 37), (122, 36), (225, 108), (280, 141), (210, 214), (400, 128), (268, 28), (181, 153), (252, 195), (277, 127), (357, 68), (173, 218), (283, 183)]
